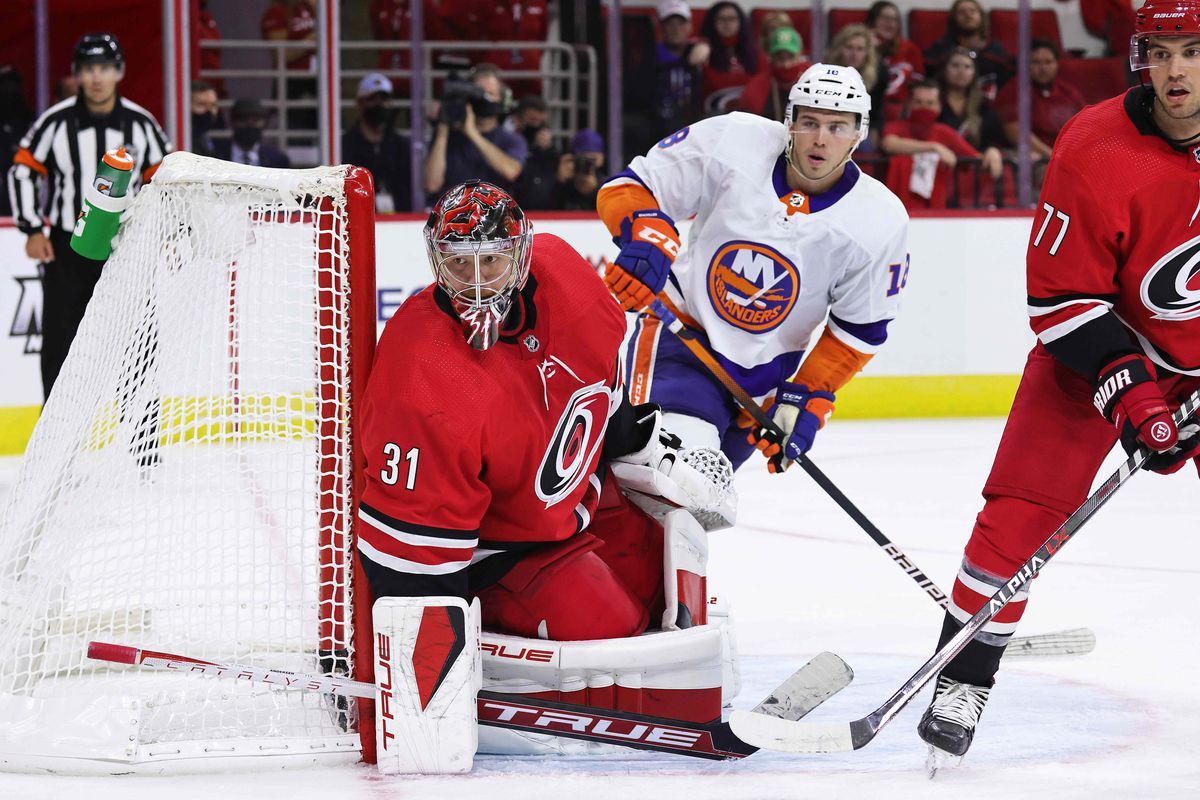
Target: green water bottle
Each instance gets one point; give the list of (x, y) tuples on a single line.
[(103, 203)]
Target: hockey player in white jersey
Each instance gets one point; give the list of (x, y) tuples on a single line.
[(788, 235)]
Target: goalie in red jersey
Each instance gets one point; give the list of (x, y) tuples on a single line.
[(492, 426), (1114, 298)]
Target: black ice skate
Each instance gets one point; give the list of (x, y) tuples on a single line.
[(948, 725)]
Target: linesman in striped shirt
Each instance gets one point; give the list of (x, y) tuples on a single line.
[(62, 150)]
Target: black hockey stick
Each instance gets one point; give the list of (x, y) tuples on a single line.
[(1077, 641), (824, 737), (807, 688)]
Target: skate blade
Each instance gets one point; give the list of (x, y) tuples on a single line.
[(939, 759)]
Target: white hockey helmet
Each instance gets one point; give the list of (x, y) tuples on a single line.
[(831, 88)]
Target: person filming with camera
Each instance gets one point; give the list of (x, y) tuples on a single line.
[(469, 141), (579, 175)]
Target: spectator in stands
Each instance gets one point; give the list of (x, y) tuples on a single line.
[(734, 58), (854, 46), (580, 176), (207, 58), (15, 118), (679, 60), (469, 141), (766, 93), (535, 189), (899, 59), (206, 117), (967, 27), (1053, 103), (295, 21), (373, 143), (247, 121), (964, 107), (924, 152), (770, 22)]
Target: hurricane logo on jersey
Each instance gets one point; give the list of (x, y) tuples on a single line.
[(752, 286), (573, 447), (1171, 289)]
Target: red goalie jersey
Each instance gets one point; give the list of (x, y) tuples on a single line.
[(477, 455), (1117, 231)]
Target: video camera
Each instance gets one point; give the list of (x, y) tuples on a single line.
[(458, 92)]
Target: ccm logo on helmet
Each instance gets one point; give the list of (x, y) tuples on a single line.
[(1171, 288)]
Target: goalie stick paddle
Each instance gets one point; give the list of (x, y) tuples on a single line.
[(1076, 642), (807, 688), (832, 737)]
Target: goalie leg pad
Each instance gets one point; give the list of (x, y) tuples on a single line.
[(674, 674), (427, 671), (685, 571)]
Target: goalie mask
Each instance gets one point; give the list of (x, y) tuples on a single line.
[(479, 243)]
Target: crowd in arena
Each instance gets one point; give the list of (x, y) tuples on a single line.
[(943, 133)]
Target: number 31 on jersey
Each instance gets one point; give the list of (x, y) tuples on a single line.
[(393, 454)]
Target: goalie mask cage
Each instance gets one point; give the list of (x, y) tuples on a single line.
[(189, 486)]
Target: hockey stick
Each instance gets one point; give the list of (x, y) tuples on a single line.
[(1078, 641), (810, 686), (825, 737)]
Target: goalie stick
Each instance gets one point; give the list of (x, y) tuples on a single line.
[(832, 737), (806, 689), (1078, 641)]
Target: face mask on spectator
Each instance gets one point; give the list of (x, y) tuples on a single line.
[(787, 75), (921, 120), (377, 115), (246, 136), (203, 123)]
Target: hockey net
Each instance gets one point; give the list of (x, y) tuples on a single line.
[(188, 487)]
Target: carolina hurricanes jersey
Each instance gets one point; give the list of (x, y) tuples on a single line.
[(473, 453), (763, 265), (1118, 229)]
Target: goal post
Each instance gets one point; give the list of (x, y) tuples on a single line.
[(190, 485)]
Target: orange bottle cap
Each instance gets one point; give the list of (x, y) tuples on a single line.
[(119, 159)]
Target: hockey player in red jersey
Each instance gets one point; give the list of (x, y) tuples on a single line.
[(494, 405), (1114, 298)]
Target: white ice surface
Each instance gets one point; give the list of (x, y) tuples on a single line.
[(1123, 722)]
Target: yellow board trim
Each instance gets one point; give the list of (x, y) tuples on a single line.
[(928, 396), (865, 397)]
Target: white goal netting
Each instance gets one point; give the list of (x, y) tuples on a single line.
[(187, 488)]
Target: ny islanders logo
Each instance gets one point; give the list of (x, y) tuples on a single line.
[(752, 286), (577, 437), (1171, 289)]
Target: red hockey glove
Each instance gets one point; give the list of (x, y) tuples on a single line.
[(649, 244), (1128, 397)]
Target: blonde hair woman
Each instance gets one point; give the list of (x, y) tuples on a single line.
[(854, 46)]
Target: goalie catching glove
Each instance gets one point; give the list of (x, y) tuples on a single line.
[(799, 413), (649, 243)]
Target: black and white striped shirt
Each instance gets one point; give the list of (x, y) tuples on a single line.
[(64, 146)]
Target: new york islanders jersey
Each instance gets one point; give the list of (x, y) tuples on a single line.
[(1118, 229), (470, 453), (764, 265)]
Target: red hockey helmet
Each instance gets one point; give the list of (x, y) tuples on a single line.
[(480, 246), (1161, 18)]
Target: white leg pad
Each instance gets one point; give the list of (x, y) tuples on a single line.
[(658, 674), (685, 571), (428, 673), (719, 614)]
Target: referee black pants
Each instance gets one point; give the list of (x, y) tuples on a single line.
[(67, 285)]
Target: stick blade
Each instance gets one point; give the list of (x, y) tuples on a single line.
[(814, 683), (787, 736), (1074, 642)]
